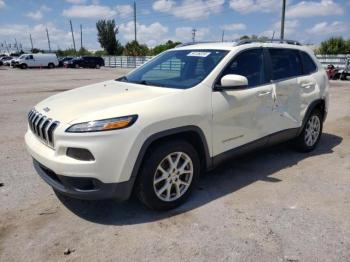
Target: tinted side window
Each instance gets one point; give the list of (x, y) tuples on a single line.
[(285, 63), (250, 64), (308, 64)]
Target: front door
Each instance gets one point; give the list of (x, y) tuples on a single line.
[(243, 115)]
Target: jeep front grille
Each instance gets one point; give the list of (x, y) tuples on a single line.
[(42, 126)]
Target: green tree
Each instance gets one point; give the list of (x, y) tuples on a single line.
[(333, 46), (133, 48), (106, 34), (163, 47)]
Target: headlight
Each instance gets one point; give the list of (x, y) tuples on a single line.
[(103, 125)]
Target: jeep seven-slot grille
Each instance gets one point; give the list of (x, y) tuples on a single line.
[(42, 126)]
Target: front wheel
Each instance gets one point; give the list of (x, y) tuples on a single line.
[(97, 66), (311, 133), (168, 175)]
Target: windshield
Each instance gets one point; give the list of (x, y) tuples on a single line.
[(177, 68)]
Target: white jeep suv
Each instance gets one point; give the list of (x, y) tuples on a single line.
[(153, 131)]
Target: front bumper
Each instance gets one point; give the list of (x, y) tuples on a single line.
[(84, 188)]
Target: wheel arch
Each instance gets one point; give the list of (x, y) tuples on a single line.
[(192, 134), (319, 104)]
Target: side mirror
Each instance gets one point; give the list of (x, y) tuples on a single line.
[(229, 82)]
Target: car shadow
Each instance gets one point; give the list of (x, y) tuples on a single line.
[(226, 179)]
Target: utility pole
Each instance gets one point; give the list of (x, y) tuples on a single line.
[(273, 35), (31, 41), (282, 18), (48, 39), (135, 20), (81, 36), (194, 35), (223, 35), (16, 45), (7, 48), (71, 28)]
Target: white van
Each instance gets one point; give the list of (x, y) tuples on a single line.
[(37, 60)]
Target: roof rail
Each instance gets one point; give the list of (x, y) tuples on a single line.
[(195, 43), (282, 41)]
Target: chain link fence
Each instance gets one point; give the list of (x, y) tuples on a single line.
[(336, 60), (125, 61)]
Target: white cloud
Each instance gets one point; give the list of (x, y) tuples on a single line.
[(234, 27), (184, 34), (45, 8), (290, 29), (124, 11), (325, 28), (2, 3), (248, 6), (311, 8), (189, 9), (163, 5), (76, 2), (37, 15), (151, 35), (89, 11)]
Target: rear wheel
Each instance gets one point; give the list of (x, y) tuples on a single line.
[(311, 134), (168, 175), (98, 66), (76, 66), (51, 65)]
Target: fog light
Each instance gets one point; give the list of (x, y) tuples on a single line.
[(80, 154)]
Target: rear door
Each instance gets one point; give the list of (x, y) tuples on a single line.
[(286, 68)]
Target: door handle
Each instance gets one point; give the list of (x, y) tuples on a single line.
[(264, 93), (307, 84)]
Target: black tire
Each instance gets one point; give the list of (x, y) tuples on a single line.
[(301, 141), (24, 66), (145, 189), (97, 66), (51, 65), (76, 66)]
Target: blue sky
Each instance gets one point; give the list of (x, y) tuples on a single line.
[(160, 20)]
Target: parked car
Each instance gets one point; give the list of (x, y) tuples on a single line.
[(7, 60), (64, 59), (85, 62), (155, 130), (337, 73), (36, 60)]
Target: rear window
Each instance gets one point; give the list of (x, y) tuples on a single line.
[(286, 63), (309, 65)]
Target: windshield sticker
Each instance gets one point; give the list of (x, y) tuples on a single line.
[(199, 54)]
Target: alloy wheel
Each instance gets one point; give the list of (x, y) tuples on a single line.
[(173, 176)]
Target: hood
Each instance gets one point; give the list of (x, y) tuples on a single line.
[(89, 100)]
